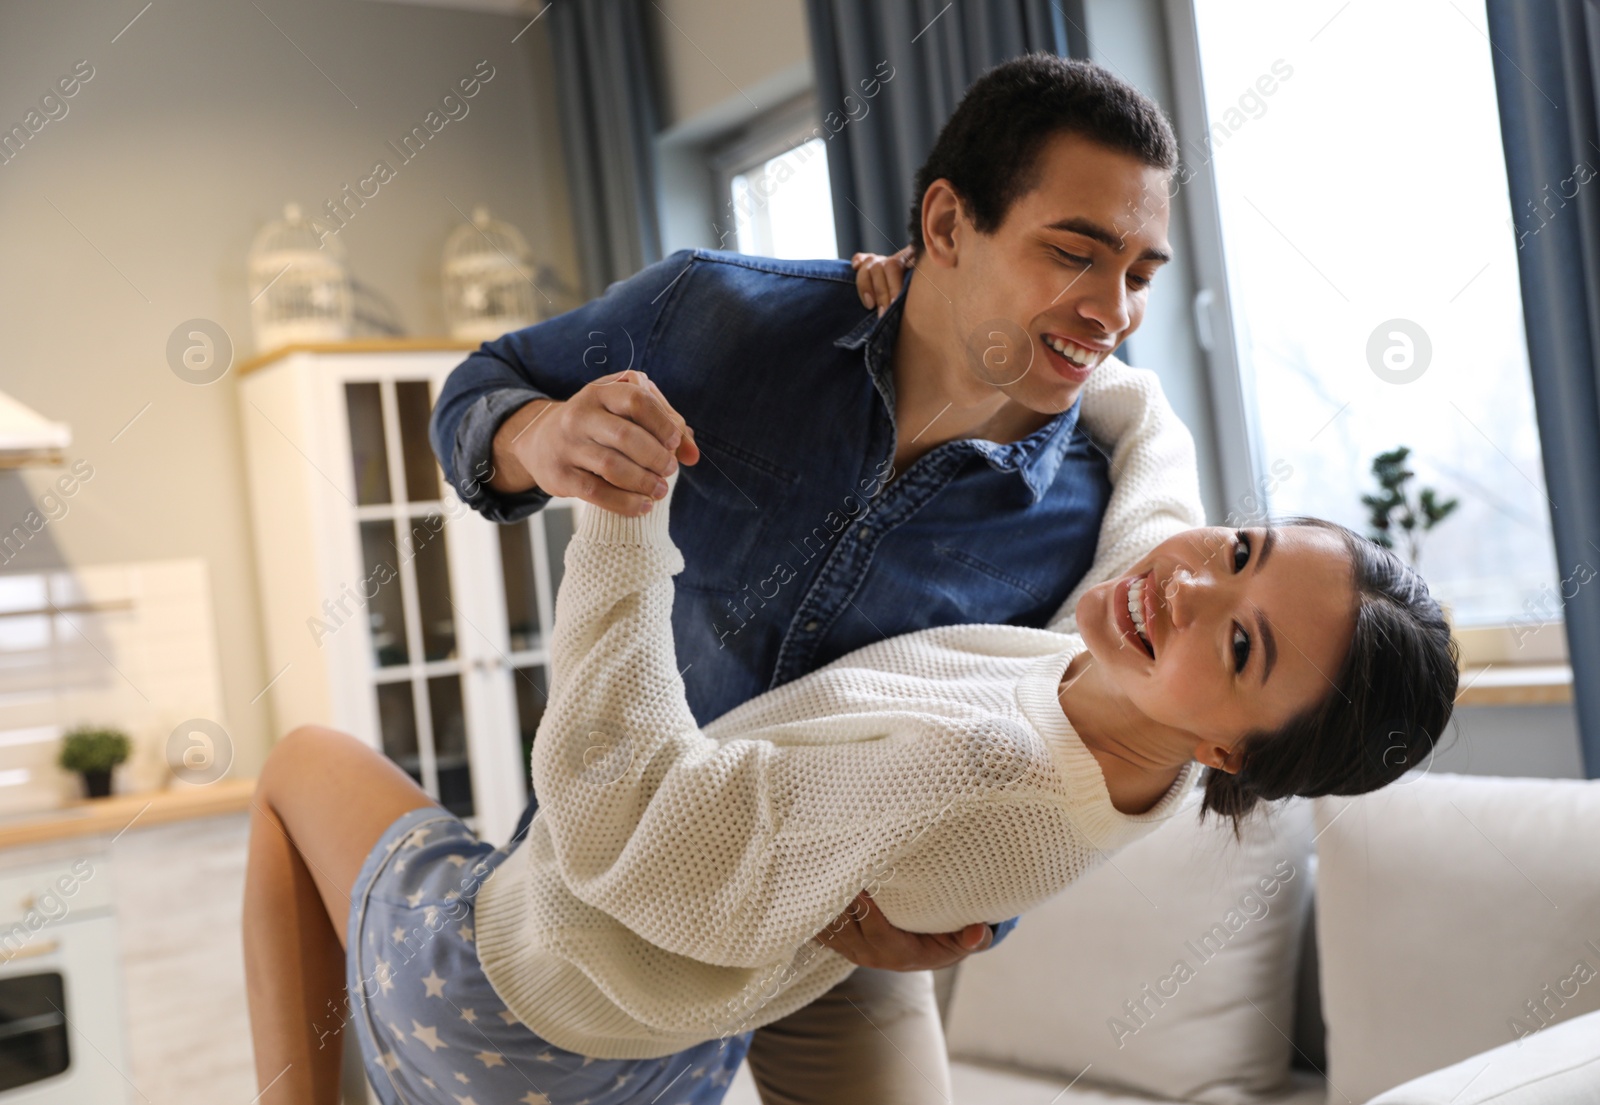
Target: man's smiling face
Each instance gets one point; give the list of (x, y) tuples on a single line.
[(1063, 280)]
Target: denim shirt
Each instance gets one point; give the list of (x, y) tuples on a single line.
[(800, 542)]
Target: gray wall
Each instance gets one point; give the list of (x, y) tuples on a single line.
[(134, 212)]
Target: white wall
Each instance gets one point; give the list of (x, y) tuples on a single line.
[(134, 212)]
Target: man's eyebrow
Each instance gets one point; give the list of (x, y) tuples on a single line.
[(1269, 643), (1268, 540), (1094, 231)]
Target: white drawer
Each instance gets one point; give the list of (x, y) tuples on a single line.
[(45, 894)]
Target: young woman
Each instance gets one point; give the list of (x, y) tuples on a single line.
[(674, 890)]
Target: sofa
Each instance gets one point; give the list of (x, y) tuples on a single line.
[(1433, 943)]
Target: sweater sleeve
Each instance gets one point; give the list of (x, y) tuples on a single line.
[(732, 850), (1155, 481)]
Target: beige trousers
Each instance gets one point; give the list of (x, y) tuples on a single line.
[(875, 1038)]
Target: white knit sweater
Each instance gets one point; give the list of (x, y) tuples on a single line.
[(673, 878)]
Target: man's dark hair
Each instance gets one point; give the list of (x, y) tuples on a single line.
[(989, 148)]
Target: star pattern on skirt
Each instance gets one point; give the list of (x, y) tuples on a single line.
[(433, 984), (490, 1058), (468, 933), (508, 1016), (470, 1016), (428, 1034), (531, 1098)]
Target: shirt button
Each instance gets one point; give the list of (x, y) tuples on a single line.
[(811, 626)]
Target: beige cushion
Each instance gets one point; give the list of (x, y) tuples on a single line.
[(1448, 909), (1559, 1065), (1199, 935)]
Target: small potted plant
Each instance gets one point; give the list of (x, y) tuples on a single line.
[(92, 751), (1393, 511)]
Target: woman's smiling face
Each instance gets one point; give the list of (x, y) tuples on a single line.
[(1232, 631)]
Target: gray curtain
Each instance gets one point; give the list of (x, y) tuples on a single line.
[(876, 144), (1546, 64), (607, 87)]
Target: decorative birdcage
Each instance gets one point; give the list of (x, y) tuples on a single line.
[(300, 289), (488, 279)]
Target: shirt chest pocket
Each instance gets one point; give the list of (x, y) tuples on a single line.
[(724, 512)]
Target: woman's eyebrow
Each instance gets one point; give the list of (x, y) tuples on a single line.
[(1269, 538), (1269, 643)]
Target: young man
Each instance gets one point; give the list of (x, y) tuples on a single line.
[(853, 476)]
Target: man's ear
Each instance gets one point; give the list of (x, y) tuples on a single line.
[(941, 214)]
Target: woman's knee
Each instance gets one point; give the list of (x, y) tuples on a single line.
[(302, 750)]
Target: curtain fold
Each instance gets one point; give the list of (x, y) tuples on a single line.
[(607, 87), (934, 49), (1546, 63)]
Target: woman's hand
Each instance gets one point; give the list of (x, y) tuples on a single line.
[(612, 444), (866, 938), (878, 278)]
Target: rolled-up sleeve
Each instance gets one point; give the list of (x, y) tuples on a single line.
[(553, 359)]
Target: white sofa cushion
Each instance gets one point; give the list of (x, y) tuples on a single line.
[(1169, 969), (974, 1084), (1454, 913), (1559, 1065)]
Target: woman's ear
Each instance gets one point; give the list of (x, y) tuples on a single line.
[(1219, 756)]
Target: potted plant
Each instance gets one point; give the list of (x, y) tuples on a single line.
[(1393, 511), (92, 751)]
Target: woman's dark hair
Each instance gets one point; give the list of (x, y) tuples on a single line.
[(1391, 699), (989, 148)]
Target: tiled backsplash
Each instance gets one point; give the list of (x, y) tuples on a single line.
[(127, 645)]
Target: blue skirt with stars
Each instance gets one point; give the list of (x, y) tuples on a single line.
[(431, 1028)]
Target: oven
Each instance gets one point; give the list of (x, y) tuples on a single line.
[(61, 1030)]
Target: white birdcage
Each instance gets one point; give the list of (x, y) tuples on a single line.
[(300, 288), (488, 279)]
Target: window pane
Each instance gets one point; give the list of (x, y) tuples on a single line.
[(450, 744), (385, 613), (558, 523), (397, 718), (1373, 275), (364, 408), (522, 593), (783, 208), (422, 471), (433, 587)]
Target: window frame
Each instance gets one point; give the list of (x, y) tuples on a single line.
[(772, 133), (1530, 641)]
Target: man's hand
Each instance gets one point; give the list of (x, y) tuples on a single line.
[(612, 444), (878, 278), (865, 937)]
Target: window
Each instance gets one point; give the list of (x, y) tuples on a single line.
[(773, 187), (1372, 277)]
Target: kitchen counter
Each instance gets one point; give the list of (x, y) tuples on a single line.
[(111, 816)]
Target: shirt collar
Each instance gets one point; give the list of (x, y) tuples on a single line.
[(1036, 457)]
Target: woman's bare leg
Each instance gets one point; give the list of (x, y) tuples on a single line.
[(322, 801)]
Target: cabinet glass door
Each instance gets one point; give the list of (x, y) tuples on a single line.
[(531, 559), (406, 588)]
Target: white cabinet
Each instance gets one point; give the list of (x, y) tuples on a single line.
[(392, 610)]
